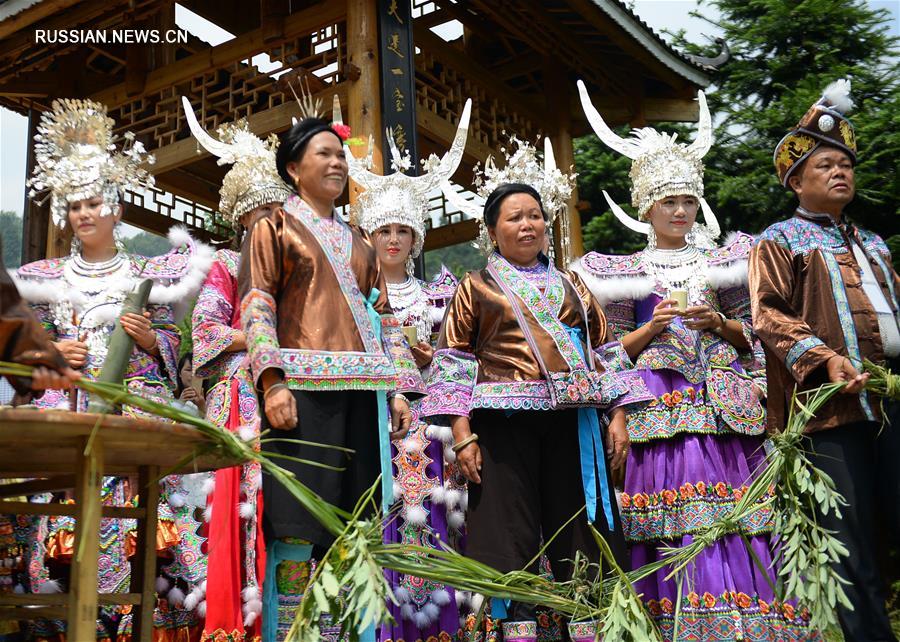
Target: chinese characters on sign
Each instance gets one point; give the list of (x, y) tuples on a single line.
[(398, 77)]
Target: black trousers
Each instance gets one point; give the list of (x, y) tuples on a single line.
[(346, 418), (863, 459), (530, 486)]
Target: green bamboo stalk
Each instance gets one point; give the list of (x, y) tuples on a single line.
[(121, 346)]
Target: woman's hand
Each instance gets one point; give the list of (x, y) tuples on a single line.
[(281, 407), (469, 458), (75, 352), (663, 314), (617, 440), (840, 369), (138, 327), (423, 353), (401, 417), (190, 394), (702, 317)]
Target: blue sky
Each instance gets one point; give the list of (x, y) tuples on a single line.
[(659, 14)]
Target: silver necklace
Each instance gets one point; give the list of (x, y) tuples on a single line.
[(683, 269), (410, 306)]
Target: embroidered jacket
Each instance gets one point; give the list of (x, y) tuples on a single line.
[(304, 285), (484, 361), (809, 305), (721, 398), (72, 306)]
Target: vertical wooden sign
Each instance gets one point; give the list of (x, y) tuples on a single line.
[(398, 77)]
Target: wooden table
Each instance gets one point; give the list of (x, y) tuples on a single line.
[(61, 450)]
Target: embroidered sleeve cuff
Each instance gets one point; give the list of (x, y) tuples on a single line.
[(258, 318), (805, 356), (409, 379), (636, 390), (211, 340), (614, 357), (450, 386), (167, 341)]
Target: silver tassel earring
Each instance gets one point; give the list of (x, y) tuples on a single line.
[(410, 265), (118, 238), (75, 247), (651, 239)]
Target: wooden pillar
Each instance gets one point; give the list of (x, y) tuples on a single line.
[(82, 623), (143, 567), (558, 90), (272, 14), (35, 218), (363, 95)]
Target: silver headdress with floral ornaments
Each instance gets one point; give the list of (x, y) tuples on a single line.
[(402, 199), (522, 166), (254, 180), (660, 167), (76, 158)]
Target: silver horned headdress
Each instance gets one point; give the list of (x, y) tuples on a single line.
[(402, 199), (660, 167), (253, 180), (76, 158), (522, 166)]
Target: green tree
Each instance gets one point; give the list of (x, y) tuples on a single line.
[(459, 259), (11, 237), (147, 244), (784, 53)]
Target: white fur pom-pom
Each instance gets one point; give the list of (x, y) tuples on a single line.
[(209, 485), (250, 593), (462, 597), (246, 433), (201, 609), (192, 600), (446, 435), (432, 431), (50, 586), (252, 606), (432, 610), (402, 595), (255, 480), (463, 500), (415, 515), (250, 618), (456, 519), (397, 489), (246, 510), (413, 446), (453, 498), (439, 495), (838, 94), (207, 514), (162, 586), (177, 500), (203, 587), (421, 620), (407, 612), (449, 455), (175, 596), (441, 597), (477, 601)]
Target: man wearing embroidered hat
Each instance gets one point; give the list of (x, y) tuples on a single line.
[(824, 298), (393, 210), (250, 190), (681, 310)]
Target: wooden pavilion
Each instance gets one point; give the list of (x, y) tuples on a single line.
[(517, 59)]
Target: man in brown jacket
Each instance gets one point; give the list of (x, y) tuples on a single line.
[(824, 298)]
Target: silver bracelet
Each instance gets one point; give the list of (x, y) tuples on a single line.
[(399, 395)]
